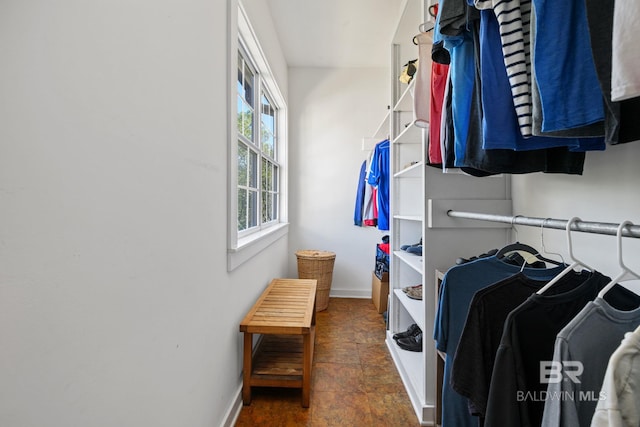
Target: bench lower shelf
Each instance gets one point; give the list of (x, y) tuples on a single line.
[(279, 361)]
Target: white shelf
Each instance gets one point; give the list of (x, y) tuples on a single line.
[(417, 218), (411, 369), (416, 192), (382, 131), (413, 261), (413, 171), (415, 308), (412, 134), (405, 102)]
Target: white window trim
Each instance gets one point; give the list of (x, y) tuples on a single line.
[(242, 248)]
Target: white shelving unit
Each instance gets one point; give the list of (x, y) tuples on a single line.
[(420, 196)]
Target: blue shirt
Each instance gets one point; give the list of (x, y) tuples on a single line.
[(379, 177), (569, 89), (459, 285), (499, 122), (357, 213)]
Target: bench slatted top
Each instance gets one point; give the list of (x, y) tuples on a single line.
[(285, 307)]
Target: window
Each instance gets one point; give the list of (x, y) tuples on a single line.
[(258, 142)]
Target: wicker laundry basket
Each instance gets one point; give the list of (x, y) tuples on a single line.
[(313, 264)]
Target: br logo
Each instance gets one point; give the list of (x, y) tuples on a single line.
[(552, 371)]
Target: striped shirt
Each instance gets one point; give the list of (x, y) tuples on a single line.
[(514, 18)]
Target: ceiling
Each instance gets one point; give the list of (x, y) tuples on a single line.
[(335, 33)]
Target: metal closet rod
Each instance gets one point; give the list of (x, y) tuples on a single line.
[(559, 224)]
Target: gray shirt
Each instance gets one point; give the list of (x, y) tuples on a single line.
[(581, 354)]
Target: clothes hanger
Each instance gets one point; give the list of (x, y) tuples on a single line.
[(424, 28), (433, 10), (516, 246), (626, 272), (544, 250), (575, 262), (522, 247)]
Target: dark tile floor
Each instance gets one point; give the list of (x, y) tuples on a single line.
[(354, 381)]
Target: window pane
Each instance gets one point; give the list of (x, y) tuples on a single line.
[(266, 207), (245, 119), (253, 169), (266, 175), (268, 115), (274, 173), (248, 85), (242, 209), (243, 164), (240, 119), (267, 143), (240, 83), (274, 202), (267, 131), (252, 209)]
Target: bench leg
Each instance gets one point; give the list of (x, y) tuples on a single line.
[(306, 369), (247, 368)]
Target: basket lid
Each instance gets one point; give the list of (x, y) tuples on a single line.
[(315, 254)]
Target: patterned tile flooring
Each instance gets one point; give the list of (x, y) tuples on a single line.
[(354, 381)]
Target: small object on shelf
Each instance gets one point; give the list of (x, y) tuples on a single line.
[(405, 247), (412, 343), (408, 71), (406, 289), (415, 250), (413, 292), (408, 165), (411, 331)]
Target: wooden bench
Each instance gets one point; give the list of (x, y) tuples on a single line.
[(285, 316)]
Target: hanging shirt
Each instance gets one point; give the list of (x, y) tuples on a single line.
[(379, 177), (360, 193), (621, 386), (569, 89), (459, 285), (369, 210), (625, 67), (462, 80), (513, 18), (473, 362), (481, 162), (500, 122), (516, 395), (422, 93), (587, 342), (438, 86), (458, 41)]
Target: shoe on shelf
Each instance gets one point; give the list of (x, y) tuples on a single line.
[(406, 289), (415, 292), (411, 331), (411, 343), (405, 247), (416, 250)]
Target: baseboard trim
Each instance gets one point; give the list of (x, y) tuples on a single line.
[(350, 293), (233, 412)]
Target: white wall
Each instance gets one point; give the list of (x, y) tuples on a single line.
[(115, 304), (330, 111), (607, 192)]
